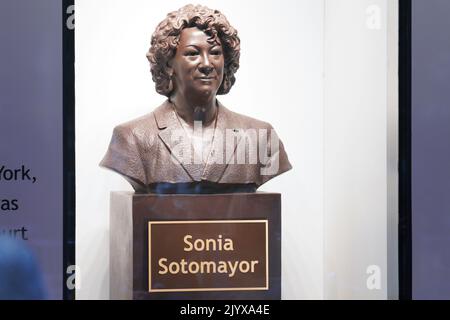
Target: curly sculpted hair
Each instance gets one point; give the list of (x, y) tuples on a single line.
[(166, 37)]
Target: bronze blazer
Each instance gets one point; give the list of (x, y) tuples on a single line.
[(146, 152)]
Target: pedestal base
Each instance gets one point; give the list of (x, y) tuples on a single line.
[(250, 222)]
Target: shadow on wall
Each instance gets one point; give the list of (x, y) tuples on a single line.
[(20, 277)]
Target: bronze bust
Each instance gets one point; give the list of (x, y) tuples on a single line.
[(192, 143)]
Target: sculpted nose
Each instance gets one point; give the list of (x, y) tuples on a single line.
[(205, 65)]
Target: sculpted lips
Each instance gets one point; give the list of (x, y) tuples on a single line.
[(206, 78)]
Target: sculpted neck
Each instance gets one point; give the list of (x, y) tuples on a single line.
[(192, 109)]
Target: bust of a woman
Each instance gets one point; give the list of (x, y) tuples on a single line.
[(192, 143)]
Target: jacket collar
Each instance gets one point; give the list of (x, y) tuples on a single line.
[(168, 123)]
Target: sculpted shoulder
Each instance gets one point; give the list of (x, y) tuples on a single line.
[(245, 122), (130, 142), (142, 130)]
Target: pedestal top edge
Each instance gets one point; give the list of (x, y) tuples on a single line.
[(137, 195)]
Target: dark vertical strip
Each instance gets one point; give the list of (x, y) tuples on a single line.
[(69, 146), (405, 239)]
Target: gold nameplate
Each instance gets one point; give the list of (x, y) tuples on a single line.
[(188, 256)]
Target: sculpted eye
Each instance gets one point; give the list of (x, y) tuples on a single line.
[(191, 53), (216, 52)]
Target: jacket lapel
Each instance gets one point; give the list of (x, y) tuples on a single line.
[(222, 154), (224, 146), (176, 140)]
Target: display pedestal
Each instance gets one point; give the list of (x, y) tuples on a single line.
[(201, 247)]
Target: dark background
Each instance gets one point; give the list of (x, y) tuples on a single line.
[(31, 95), (430, 149)]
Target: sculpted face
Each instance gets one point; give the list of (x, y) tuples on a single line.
[(198, 65)]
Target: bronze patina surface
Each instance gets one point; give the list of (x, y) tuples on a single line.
[(192, 143)]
